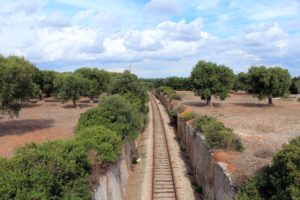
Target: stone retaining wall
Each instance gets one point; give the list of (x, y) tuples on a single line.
[(113, 184), (210, 175)]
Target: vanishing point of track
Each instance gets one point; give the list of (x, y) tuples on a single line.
[(163, 185)]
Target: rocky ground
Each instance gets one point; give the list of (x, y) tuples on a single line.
[(263, 129)]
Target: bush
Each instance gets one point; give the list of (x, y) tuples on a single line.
[(280, 180), (129, 85), (107, 143), (173, 116), (116, 113), (54, 170), (188, 115), (217, 135), (171, 93)]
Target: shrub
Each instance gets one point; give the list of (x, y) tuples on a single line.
[(116, 113), (127, 83), (188, 115), (107, 143), (171, 93), (54, 170), (217, 135), (173, 116), (280, 180)]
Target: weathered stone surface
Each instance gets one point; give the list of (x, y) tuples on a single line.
[(112, 185)]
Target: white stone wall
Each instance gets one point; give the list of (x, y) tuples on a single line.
[(112, 185)]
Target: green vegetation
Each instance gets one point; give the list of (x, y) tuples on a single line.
[(129, 86), (217, 135), (48, 82), (278, 181), (295, 86), (71, 88), (209, 79), (54, 170), (177, 83), (188, 115), (171, 93), (115, 113), (241, 82), (61, 170), (95, 81), (16, 84), (105, 142), (269, 82)]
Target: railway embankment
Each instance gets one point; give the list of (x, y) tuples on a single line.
[(211, 176)]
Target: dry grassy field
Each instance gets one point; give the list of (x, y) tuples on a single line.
[(263, 129), (39, 122)]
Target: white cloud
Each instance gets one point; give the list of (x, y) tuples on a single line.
[(57, 20), (165, 36), (163, 6)]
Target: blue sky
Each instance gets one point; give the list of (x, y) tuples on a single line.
[(158, 37)]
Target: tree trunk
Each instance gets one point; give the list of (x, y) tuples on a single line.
[(74, 103), (270, 101), (208, 101)]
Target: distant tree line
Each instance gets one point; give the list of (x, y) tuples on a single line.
[(177, 83), (210, 79), (20, 80)]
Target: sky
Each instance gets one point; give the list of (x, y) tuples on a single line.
[(159, 38)]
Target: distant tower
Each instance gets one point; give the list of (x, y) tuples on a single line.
[(130, 67)]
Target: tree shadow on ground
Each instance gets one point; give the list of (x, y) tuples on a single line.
[(201, 104), (252, 105), (90, 101), (31, 105), (52, 100), (18, 127), (80, 105)]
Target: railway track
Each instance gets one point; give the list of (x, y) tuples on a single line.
[(163, 184)]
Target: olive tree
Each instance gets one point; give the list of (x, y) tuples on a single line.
[(241, 82), (70, 88), (98, 78), (295, 87), (16, 84), (209, 79), (48, 82), (269, 82)]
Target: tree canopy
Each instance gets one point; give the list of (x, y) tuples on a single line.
[(209, 79), (16, 83), (295, 86), (70, 87), (48, 82), (241, 82), (129, 85), (95, 81), (269, 82), (278, 181)]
